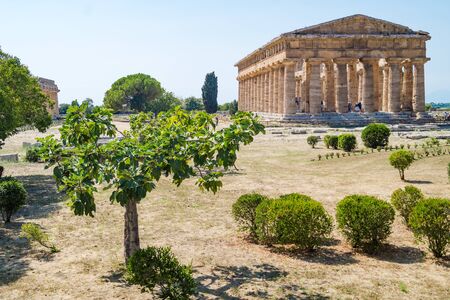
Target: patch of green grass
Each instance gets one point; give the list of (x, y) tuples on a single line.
[(403, 287)]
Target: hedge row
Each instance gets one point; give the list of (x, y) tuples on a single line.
[(365, 221)]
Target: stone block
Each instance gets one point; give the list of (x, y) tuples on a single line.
[(9, 157)]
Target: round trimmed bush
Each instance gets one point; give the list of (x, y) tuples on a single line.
[(293, 219), (312, 140), (331, 141), (32, 154), (430, 219), (375, 135), (157, 268), (347, 142), (404, 200), (12, 197), (401, 160), (365, 221), (244, 212)]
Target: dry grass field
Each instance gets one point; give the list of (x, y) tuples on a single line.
[(200, 229)]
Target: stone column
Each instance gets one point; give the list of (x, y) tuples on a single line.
[(341, 85), (252, 98), (385, 106), (315, 90), (368, 93), (260, 94), (360, 85), (289, 88), (407, 87), (305, 85), (330, 95), (247, 95), (240, 100), (419, 84), (275, 98), (352, 83), (266, 86), (280, 90), (394, 84)]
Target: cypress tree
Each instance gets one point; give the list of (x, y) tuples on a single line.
[(209, 93)]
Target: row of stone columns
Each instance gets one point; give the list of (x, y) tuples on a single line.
[(386, 88)]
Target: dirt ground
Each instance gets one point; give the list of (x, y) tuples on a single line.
[(200, 229)]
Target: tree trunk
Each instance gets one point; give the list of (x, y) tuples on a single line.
[(402, 175), (131, 230)]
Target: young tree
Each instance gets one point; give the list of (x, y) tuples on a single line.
[(22, 101), (164, 102), (192, 103), (209, 93), (233, 107), (175, 144), (401, 160), (63, 108), (132, 92), (90, 104)]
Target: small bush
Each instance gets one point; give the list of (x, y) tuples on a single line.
[(331, 141), (430, 219), (157, 268), (12, 197), (293, 219), (312, 140), (401, 160), (404, 200), (34, 233), (365, 221), (375, 135), (347, 142), (244, 212), (32, 154)]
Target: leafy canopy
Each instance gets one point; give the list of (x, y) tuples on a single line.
[(176, 144), (22, 101), (133, 92)]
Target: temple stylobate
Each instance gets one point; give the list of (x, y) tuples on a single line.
[(356, 63)]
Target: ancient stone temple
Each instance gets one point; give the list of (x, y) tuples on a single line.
[(50, 88), (353, 63)]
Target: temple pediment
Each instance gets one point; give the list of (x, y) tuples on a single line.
[(355, 24)]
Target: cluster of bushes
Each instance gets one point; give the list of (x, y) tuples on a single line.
[(345, 141), (365, 221), (12, 197), (291, 219)]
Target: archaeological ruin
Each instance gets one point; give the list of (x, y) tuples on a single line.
[(353, 64), (50, 88)]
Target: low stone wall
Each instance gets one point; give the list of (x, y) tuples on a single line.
[(9, 157)]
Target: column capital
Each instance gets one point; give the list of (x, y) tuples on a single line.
[(369, 60), (395, 60), (420, 60), (315, 61), (344, 60)]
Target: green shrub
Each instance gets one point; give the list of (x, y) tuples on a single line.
[(34, 233), (365, 221), (293, 219), (404, 200), (401, 160), (375, 135), (157, 268), (347, 142), (1, 171), (32, 154), (331, 141), (244, 212), (12, 197), (312, 140), (430, 219)]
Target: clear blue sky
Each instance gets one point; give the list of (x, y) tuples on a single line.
[(86, 45)]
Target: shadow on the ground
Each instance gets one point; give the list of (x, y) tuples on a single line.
[(116, 276), (419, 181), (399, 254), (43, 196), (322, 255), (43, 199), (12, 253), (224, 281)]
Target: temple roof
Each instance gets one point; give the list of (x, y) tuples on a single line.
[(355, 24)]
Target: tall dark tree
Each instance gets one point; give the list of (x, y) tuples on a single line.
[(22, 101), (209, 93), (132, 92)]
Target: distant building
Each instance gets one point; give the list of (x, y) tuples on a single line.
[(50, 88)]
